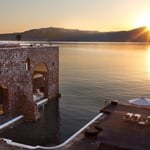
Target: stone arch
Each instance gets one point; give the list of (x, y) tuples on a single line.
[(4, 99), (40, 81)]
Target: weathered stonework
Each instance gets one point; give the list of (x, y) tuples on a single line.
[(19, 80)]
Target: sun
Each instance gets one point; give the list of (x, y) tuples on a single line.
[(143, 21)]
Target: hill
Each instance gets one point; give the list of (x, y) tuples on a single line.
[(61, 34)]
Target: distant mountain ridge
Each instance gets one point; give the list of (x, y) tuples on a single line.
[(61, 34)]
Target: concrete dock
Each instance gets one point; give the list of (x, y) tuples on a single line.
[(113, 132)]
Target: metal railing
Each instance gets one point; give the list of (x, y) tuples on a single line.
[(10, 142)]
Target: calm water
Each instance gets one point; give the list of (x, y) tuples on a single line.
[(90, 75)]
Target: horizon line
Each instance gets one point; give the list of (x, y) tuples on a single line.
[(65, 28)]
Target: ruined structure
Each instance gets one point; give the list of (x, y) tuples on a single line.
[(19, 69)]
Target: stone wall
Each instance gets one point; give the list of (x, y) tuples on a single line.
[(19, 79)]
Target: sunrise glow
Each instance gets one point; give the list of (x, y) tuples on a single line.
[(96, 15), (143, 21)]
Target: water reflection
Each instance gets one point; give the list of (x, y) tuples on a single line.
[(148, 62), (43, 132)]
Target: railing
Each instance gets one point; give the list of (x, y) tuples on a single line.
[(42, 101), (10, 142), (10, 122)]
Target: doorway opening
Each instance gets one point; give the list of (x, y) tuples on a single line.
[(4, 99), (40, 82)]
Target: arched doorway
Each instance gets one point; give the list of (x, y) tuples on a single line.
[(4, 97), (40, 82)]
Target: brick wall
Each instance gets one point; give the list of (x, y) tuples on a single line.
[(14, 74)]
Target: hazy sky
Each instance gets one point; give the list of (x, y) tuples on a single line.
[(101, 15)]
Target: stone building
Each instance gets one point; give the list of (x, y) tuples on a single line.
[(19, 69)]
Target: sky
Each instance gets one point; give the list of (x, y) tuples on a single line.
[(95, 15)]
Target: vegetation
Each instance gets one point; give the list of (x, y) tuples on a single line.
[(18, 37)]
